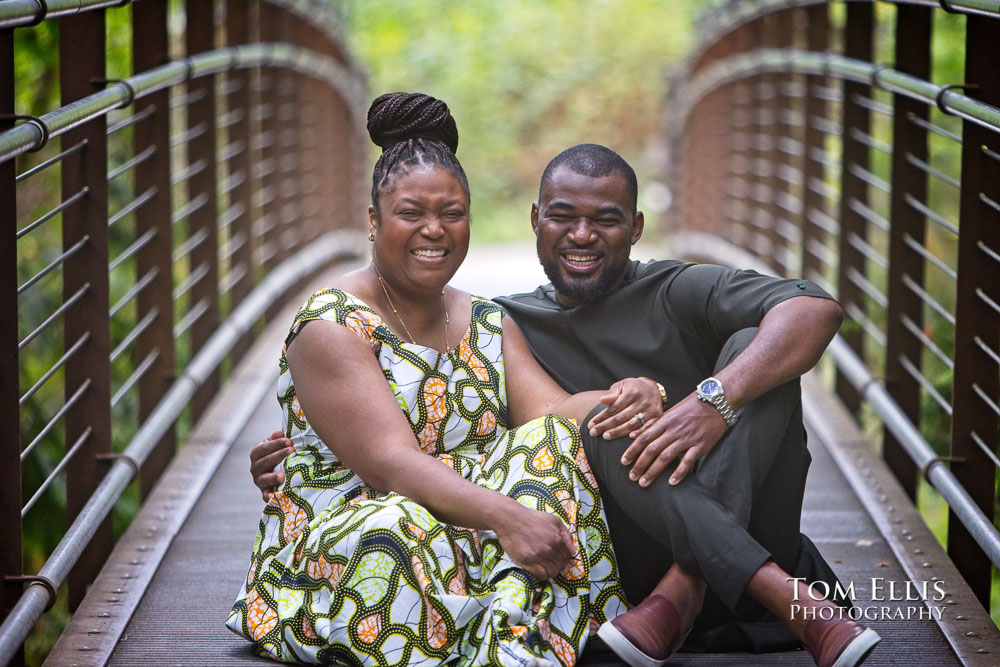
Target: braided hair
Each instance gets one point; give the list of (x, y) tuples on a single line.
[(412, 129)]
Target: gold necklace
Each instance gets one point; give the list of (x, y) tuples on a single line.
[(444, 302)]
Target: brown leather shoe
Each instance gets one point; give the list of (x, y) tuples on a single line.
[(839, 642), (647, 635)]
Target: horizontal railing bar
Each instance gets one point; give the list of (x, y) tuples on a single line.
[(820, 156), (228, 249), (827, 93), (868, 177), (925, 383), (822, 189), (189, 208), (228, 86), (132, 120), (989, 252), (986, 399), (63, 307), (928, 169), (261, 142), (991, 154), (821, 252), (231, 214), (928, 299), (55, 263), (135, 376), (30, 135), (133, 248), (919, 334), (196, 313), (867, 325), (140, 285), (932, 127), (230, 280), (192, 242), (190, 170), (919, 248), (987, 300), (872, 105), (138, 159), (57, 470), (14, 13), (867, 287), (867, 250), (84, 386), (820, 280), (75, 148), (139, 328), (83, 192), (989, 202), (148, 194), (187, 98), (231, 182), (228, 152), (990, 352), (55, 367), (823, 221), (868, 213), (929, 213), (192, 279), (187, 135), (230, 118), (866, 139), (985, 448), (825, 125)]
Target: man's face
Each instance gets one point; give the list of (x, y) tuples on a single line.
[(585, 228)]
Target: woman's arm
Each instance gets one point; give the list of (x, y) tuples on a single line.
[(531, 392), (350, 406)]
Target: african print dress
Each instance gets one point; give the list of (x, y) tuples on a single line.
[(342, 574)]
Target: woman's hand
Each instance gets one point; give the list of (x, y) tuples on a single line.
[(625, 400), (537, 541), (264, 457)]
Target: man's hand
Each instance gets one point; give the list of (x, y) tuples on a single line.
[(264, 456), (688, 430), (537, 541), (625, 399)]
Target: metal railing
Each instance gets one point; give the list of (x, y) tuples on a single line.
[(149, 223), (881, 182)]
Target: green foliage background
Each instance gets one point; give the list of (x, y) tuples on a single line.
[(526, 79)]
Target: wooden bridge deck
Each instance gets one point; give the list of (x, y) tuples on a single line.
[(178, 618)]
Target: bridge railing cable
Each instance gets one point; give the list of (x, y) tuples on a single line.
[(151, 221), (858, 155)]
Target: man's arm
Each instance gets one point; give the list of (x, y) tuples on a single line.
[(789, 341)]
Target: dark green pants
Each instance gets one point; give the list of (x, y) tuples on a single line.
[(737, 508)]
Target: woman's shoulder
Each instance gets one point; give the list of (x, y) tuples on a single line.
[(487, 313), (337, 305)]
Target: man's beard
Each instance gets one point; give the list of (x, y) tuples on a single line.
[(582, 290)]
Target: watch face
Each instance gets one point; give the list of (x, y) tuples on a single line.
[(709, 387)]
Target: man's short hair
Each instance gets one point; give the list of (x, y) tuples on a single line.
[(595, 161)]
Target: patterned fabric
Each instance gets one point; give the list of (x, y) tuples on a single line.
[(342, 574)]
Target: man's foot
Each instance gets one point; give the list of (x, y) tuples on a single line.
[(839, 643), (647, 635)]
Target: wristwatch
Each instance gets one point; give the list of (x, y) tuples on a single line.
[(710, 390)]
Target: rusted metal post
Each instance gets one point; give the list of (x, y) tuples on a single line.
[(974, 420), (82, 56), (150, 48), (267, 228), (777, 34), (240, 168), (913, 56), (203, 221), (857, 44), (813, 139), (11, 564)]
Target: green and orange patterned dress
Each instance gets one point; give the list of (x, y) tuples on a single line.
[(341, 574)]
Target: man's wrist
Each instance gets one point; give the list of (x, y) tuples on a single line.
[(663, 392), (711, 391)]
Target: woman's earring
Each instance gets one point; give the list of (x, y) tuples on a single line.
[(371, 236)]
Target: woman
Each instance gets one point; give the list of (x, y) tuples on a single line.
[(373, 552)]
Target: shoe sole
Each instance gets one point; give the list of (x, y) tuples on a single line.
[(858, 650), (624, 649)]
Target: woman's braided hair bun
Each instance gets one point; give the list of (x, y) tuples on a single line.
[(397, 117)]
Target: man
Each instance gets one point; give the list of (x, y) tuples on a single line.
[(728, 347)]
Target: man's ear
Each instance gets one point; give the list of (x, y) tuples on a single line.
[(637, 224), (534, 217)]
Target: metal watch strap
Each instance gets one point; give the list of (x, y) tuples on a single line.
[(726, 410)]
